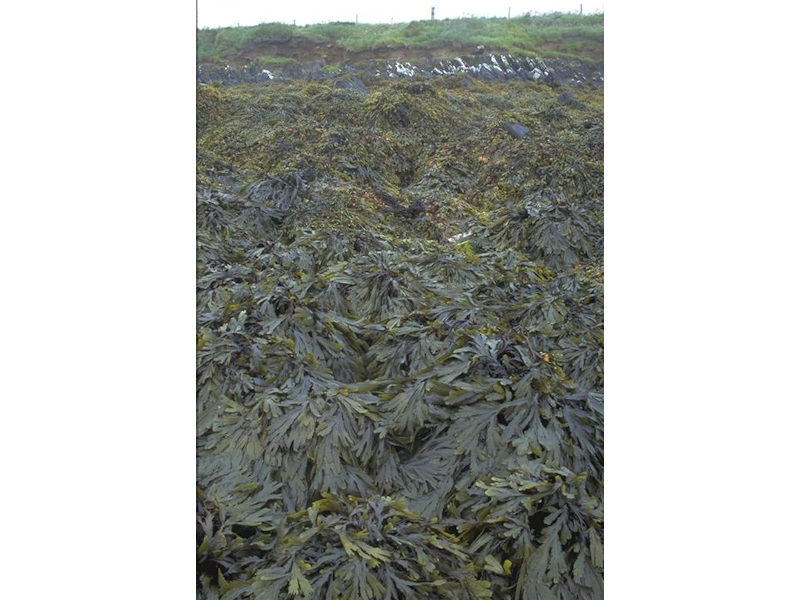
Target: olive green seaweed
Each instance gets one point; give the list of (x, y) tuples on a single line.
[(399, 342)]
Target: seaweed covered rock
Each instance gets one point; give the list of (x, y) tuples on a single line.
[(399, 343), (516, 130), (567, 99), (351, 83), (404, 105)]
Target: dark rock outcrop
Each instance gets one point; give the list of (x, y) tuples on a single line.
[(485, 67), (516, 130)]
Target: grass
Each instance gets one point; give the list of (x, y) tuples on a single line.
[(556, 34)]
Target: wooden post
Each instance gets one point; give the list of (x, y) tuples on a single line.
[(509, 12)]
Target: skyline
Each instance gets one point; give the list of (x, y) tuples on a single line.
[(212, 14)]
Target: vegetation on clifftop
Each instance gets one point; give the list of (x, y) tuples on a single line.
[(554, 35)]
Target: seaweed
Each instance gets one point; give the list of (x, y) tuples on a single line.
[(399, 342)]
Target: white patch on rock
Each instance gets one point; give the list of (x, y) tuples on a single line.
[(459, 236), (406, 69)]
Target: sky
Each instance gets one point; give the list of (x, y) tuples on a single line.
[(224, 13)]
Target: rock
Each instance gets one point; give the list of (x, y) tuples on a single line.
[(486, 67), (516, 130), (485, 73), (557, 79), (567, 99), (352, 84), (403, 115)]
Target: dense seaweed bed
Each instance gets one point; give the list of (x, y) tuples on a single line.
[(399, 341)]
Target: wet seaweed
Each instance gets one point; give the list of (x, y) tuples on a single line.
[(399, 343)]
